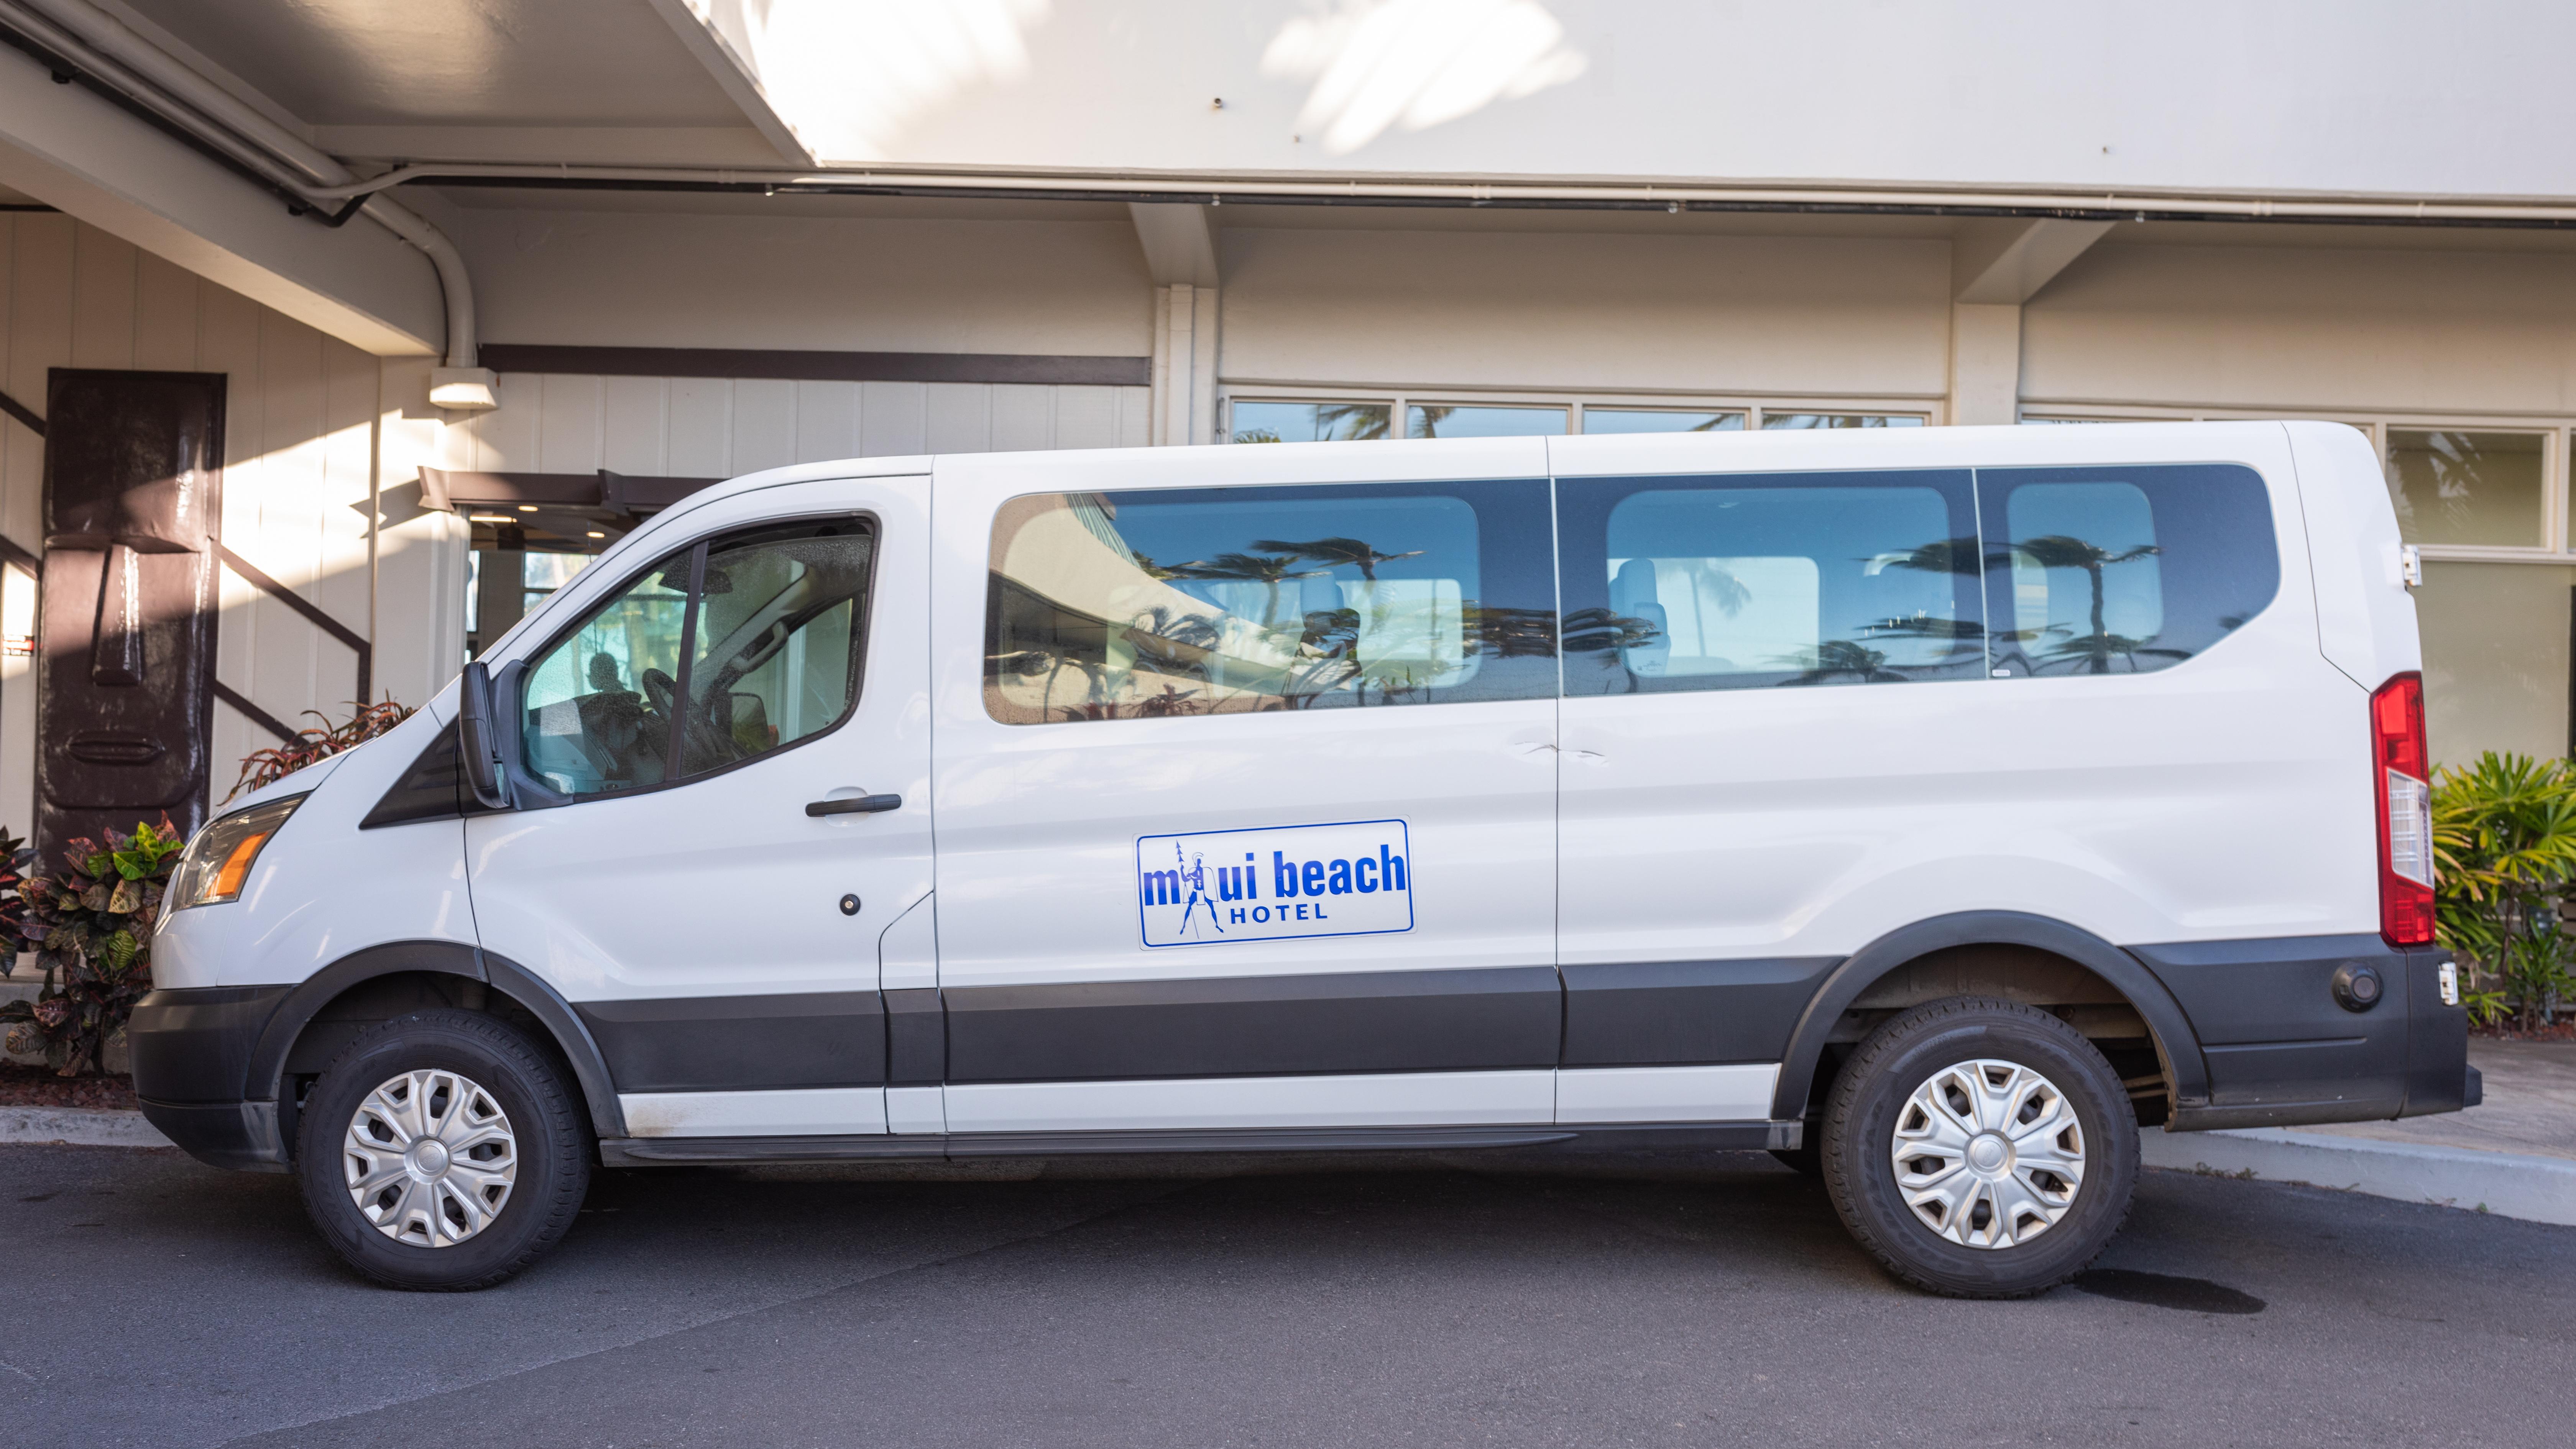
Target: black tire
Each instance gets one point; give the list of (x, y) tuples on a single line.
[(1905, 1053), (552, 1137)]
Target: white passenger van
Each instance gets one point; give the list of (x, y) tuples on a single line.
[(1934, 809)]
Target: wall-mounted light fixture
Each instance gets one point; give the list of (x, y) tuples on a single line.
[(462, 389)]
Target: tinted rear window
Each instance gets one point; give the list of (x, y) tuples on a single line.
[(2121, 570), (1752, 581)]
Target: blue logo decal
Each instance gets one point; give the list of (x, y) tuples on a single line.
[(1354, 878)]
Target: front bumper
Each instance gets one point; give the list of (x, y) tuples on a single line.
[(192, 1056), (2284, 1052)]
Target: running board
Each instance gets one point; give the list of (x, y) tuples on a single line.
[(1699, 1136)]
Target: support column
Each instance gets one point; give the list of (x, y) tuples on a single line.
[(1996, 266), (1184, 379), (420, 551), (1180, 254), (1985, 362)]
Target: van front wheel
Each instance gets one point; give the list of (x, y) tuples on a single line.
[(442, 1150), (1980, 1148)]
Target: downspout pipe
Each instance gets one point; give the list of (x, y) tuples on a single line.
[(169, 88)]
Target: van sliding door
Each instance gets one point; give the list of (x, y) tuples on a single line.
[(1247, 790), (1760, 673)]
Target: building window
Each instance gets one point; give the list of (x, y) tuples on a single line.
[(2457, 487), (1840, 420), (1659, 420), (543, 573), (1460, 420), (1367, 419), (1311, 422)]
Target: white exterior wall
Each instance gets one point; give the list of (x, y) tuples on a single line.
[(2320, 328), (1852, 317), (644, 276), (715, 427)]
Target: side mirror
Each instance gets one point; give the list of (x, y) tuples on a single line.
[(478, 739)]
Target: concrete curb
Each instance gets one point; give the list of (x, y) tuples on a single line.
[(2535, 1189), (79, 1127)]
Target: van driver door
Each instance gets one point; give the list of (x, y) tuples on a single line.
[(722, 759)]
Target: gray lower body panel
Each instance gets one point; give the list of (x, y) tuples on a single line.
[(1694, 1136), (2283, 1051)]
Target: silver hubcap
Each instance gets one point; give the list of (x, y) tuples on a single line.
[(430, 1159), (1988, 1153)]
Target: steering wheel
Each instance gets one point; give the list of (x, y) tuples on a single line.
[(661, 690)]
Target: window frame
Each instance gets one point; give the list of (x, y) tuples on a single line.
[(1928, 410), (531, 789)]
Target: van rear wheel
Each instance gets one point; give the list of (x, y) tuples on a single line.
[(1980, 1148), (443, 1150)]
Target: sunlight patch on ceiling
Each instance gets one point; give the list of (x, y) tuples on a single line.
[(850, 76), (1377, 64)]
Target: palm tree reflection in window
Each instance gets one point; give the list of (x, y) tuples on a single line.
[(1354, 422), (1336, 551), (1270, 570), (1323, 645), (1841, 659), (1328, 645), (1602, 631), (1846, 658), (2091, 652)]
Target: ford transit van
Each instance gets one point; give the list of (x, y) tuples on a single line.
[(1936, 809)]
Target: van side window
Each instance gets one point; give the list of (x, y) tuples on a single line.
[(1752, 581), (2121, 570), (1154, 603), (747, 644)]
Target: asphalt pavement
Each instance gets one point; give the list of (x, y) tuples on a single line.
[(1517, 1299)]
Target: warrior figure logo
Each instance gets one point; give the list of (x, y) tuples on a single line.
[(1194, 875)]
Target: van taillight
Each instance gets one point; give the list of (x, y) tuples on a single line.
[(2405, 773)]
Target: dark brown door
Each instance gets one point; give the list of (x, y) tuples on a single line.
[(126, 654)]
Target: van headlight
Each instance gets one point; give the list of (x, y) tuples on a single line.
[(218, 861)]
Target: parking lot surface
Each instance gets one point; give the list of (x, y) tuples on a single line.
[(1512, 1299)]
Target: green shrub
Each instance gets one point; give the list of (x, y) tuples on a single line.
[(91, 930), (15, 858), (2504, 840)]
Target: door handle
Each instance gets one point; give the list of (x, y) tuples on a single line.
[(862, 805)]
